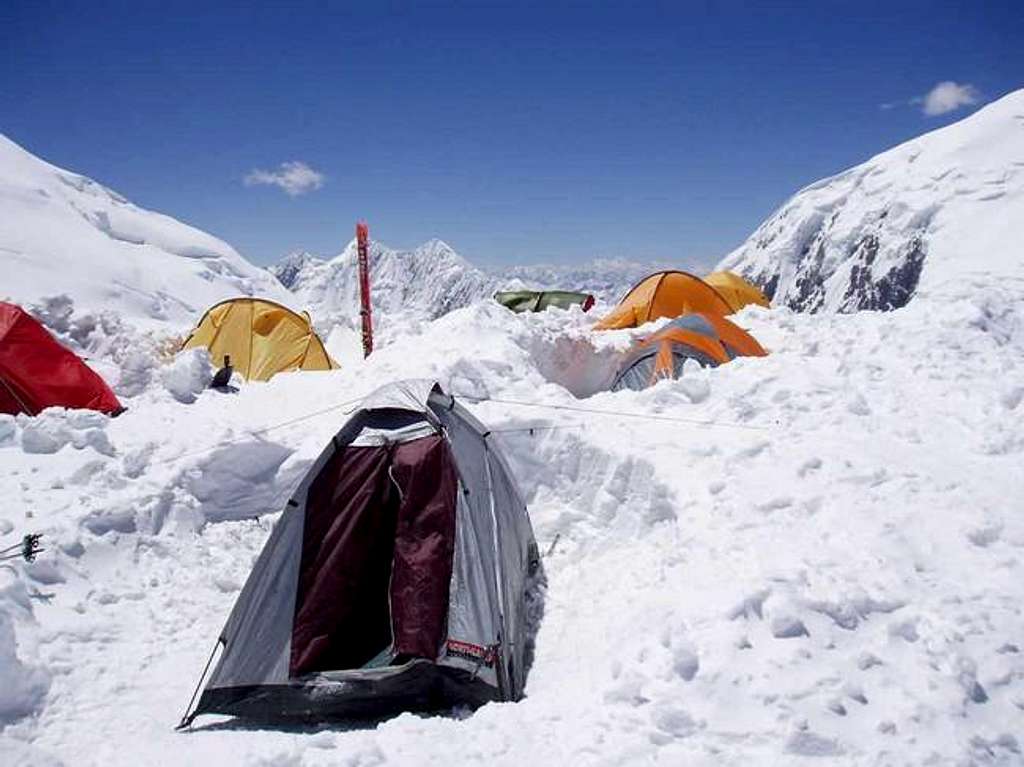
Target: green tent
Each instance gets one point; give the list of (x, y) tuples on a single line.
[(539, 300)]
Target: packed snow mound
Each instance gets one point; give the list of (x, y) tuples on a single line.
[(916, 219), (64, 234)]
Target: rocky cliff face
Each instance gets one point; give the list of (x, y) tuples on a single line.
[(914, 218)]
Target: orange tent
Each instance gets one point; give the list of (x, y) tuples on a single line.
[(736, 290), (665, 294), (710, 339)]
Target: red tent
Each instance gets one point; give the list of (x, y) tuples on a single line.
[(36, 372)]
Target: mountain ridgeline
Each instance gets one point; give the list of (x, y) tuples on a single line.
[(432, 280), (920, 216)]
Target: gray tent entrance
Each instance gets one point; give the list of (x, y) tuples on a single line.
[(376, 553), (402, 574)]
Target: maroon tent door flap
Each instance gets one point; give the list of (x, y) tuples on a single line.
[(376, 556)]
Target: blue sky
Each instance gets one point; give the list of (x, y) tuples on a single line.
[(518, 133)]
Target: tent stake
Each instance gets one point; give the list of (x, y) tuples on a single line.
[(551, 548)]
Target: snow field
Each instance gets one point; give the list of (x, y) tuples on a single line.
[(832, 569)]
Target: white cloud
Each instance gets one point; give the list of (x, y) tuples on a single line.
[(294, 178), (946, 97)]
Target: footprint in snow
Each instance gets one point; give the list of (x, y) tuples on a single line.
[(775, 504), (788, 627)]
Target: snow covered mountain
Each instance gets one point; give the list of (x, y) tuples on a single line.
[(432, 280), (607, 279), (916, 218), (287, 270), (424, 283), (62, 234)]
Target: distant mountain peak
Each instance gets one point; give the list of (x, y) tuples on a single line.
[(433, 279), (288, 268)]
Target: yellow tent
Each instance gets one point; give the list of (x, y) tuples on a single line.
[(736, 290), (665, 294), (261, 337)]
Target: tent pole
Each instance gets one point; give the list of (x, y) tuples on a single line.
[(186, 720)]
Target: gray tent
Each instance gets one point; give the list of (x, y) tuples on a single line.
[(402, 574)]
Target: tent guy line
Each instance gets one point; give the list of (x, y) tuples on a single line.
[(621, 413), (258, 432), (476, 399)]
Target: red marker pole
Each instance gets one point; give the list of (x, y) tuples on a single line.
[(363, 244)]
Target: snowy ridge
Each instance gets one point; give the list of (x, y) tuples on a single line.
[(607, 280), (62, 234), (914, 219), (431, 280)]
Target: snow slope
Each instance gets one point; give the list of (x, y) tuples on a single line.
[(835, 568), (943, 207), (62, 234)]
